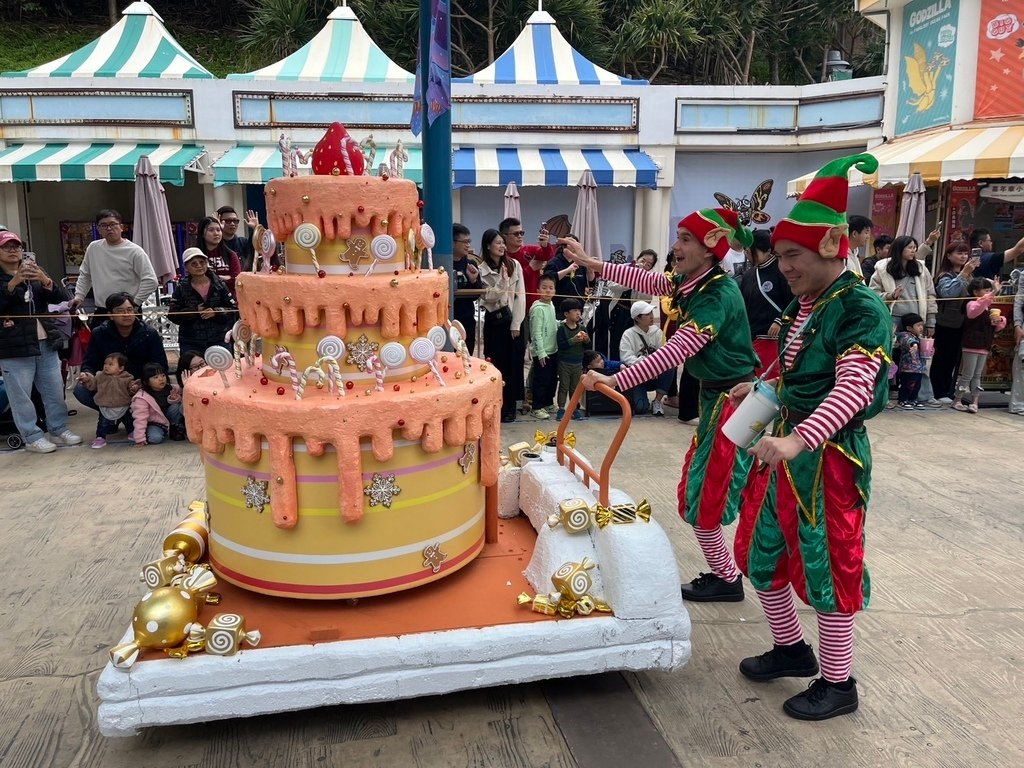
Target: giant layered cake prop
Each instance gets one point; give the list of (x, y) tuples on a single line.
[(353, 463)]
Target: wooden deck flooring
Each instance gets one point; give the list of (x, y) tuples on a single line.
[(938, 655)]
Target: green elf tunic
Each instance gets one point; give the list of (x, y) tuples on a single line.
[(804, 524)]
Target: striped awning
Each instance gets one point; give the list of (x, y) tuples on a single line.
[(961, 152), (496, 167), (541, 56), (258, 165), (98, 161), (137, 46), (341, 52)]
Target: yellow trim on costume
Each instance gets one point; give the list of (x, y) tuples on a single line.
[(878, 352), (856, 462), (693, 324)]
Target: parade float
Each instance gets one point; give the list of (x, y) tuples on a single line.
[(361, 538)]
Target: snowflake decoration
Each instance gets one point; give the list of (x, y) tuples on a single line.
[(355, 251), (381, 490), (433, 557), (467, 458), (255, 492), (360, 352)]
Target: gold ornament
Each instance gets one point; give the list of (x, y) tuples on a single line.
[(305, 198), (573, 515), (573, 579), (394, 282), (458, 374), (538, 604), (182, 547), (573, 584), (444, 358), (620, 514), (287, 299), (542, 439), (483, 366)]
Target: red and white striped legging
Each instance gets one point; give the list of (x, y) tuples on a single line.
[(835, 633)]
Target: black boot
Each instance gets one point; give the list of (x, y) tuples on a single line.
[(823, 700), (796, 660), (708, 588)]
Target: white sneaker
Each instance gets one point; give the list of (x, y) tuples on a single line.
[(42, 445), (540, 413), (946, 400), (67, 437), (930, 403), (657, 409)]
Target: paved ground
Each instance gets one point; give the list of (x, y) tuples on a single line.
[(938, 654)]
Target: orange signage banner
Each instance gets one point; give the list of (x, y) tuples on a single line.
[(1000, 89), (885, 204), (963, 203)]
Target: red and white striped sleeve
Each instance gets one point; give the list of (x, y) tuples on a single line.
[(654, 283), (854, 390), (685, 343)]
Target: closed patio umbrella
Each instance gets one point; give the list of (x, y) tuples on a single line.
[(912, 209), (584, 221), (151, 229), (512, 210)]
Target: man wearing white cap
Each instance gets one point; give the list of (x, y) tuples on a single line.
[(637, 343)]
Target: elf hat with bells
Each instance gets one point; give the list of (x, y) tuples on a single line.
[(818, 220), (715, 227)]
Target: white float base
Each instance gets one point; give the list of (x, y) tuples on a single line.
[(262, 681)]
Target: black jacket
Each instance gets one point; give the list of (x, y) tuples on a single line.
[(760, 312), (184, 312), (143, 345), (18, 331), (567, 286)]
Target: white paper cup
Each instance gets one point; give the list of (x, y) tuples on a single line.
[(755, 414), (528, 456)]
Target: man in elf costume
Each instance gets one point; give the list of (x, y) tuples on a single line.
[(714, 341), (802, 525)]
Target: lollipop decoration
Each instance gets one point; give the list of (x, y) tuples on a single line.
[(382, 248), (459, 345), (392, 355), (422, 350), (427, 235), (266, 246), (220, 360), (331, 346), (438, 337), (308, 236)]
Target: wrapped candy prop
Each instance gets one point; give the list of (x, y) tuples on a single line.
[(547, 439), (183, 548), (619, 514), (515, 452), (225, 634), (573, 597), (576, 516), (573, 515)]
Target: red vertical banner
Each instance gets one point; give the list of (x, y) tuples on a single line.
[(1000, 78), (885, 206), (963, 202)]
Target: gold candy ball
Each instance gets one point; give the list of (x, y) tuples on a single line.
[(413, 379), (483, 366), (444, 358), (369, 391), (458, 374), (305, 198), (394, 283), (287, 299), (161, 617)]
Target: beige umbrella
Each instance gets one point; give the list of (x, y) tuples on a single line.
[(512, 210), (584, 221), (912, 209), (151, 229)]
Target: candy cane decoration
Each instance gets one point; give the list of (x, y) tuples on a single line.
[(282, 358), (347, 142), (334, 381), (238, 355), (397, 160), (422, 350), (303, 379), (368, 142), (374, 364)]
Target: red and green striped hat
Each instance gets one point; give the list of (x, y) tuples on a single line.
[(715, 227), (818, 220)]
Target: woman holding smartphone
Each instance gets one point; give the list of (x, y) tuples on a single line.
[(955, 273)]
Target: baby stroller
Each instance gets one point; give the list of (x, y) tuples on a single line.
[(10, 438)]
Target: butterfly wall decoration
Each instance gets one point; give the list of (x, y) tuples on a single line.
[(749, 209)]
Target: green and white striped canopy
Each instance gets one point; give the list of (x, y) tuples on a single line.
[(137, 46), (100, 161), (258, 165), (341, 52)]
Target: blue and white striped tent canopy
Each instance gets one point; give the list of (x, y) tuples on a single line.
[(137, 46), (97, 161), (541, 56), (258, 165), (341, 52), (497, 166)]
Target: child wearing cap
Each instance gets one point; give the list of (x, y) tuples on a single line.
[(713, 340), (643, 339)]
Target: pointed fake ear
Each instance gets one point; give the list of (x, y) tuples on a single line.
[(712, 237), (829, 246)]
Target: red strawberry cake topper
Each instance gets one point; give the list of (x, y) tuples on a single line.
[(338, 154)]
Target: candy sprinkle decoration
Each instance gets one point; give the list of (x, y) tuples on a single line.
[(381, 490)]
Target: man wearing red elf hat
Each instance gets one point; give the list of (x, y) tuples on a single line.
[(802, 524), (714, 341)]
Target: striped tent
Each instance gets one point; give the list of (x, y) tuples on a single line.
[(541, 56), (497, 166), (260, 164), (341, 52), (98, 161), (960, 152), (137, 46)]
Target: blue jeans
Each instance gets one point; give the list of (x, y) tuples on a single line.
[(637, 396), (156, 433), (20, 374), (87, 398)]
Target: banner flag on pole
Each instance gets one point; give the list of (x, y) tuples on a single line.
[(439, 80)]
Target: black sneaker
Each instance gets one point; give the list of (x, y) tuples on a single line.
[(823, 700), (795, 660), (708, 588)]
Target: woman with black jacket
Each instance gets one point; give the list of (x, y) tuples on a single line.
[(202, 306), (28, 355)]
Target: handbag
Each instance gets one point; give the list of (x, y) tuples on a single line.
[(502, 314)]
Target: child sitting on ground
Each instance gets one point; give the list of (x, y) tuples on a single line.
[(980, 328), (912, 366), (643, 339), (156, 408), (572, 341), (595, 361), (544, 345), (113, 387)]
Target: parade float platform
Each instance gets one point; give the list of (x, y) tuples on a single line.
[(464, 631)]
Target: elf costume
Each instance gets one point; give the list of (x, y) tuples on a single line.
[(803, 524), (714, 341)]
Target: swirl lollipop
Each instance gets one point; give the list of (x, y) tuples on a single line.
[(267, 245), (427, 234), (308, 236), (392, 355), (220, 360), (382, 248), (438, 336), (331, 346), (422, 350)]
